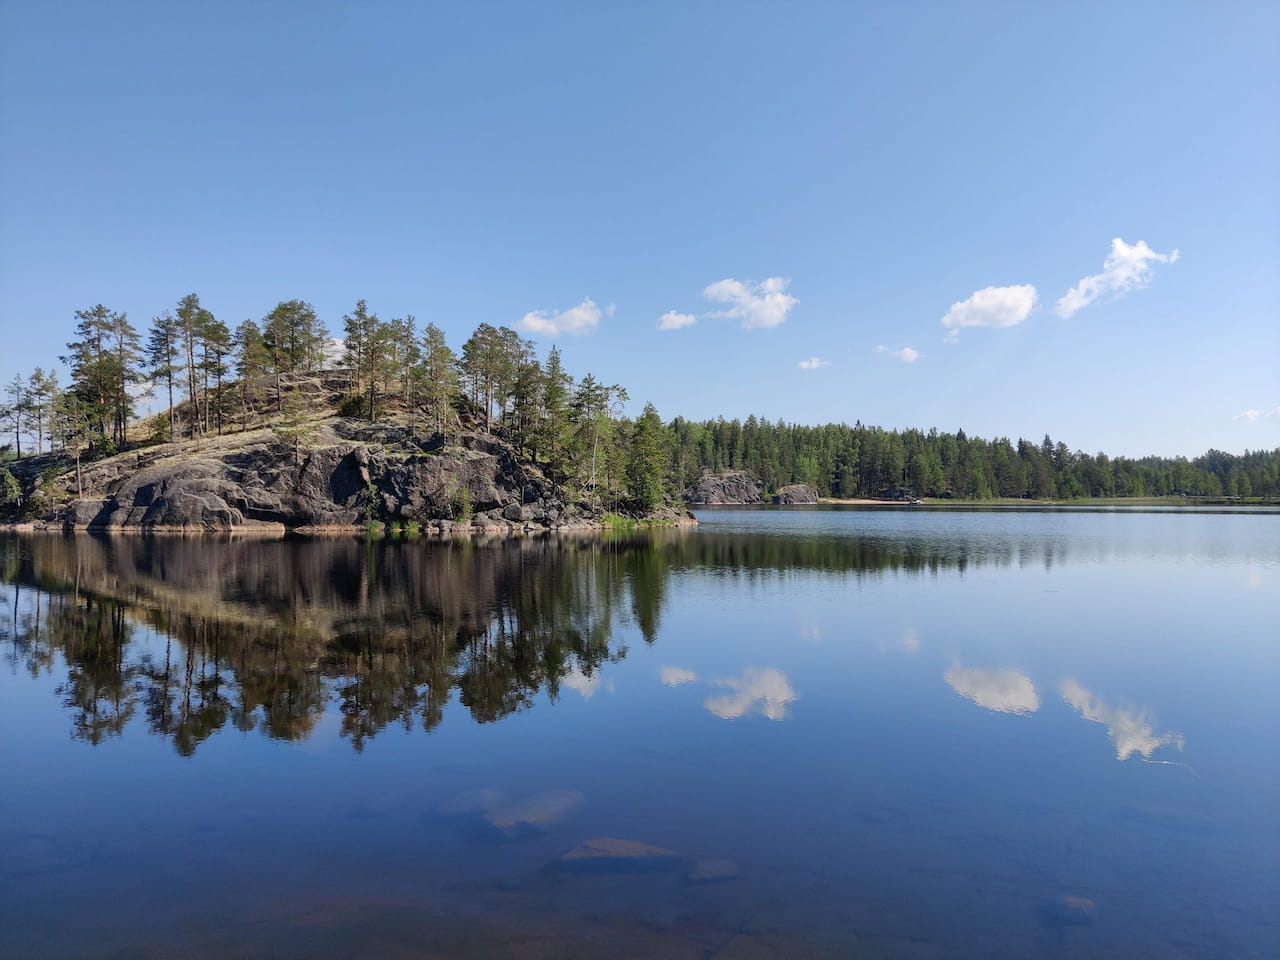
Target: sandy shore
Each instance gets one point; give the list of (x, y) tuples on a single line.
[(867, 503)]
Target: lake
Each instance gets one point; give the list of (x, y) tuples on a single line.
[(802, 732)]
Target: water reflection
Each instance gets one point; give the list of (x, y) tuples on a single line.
[(194, 635), (583, 684), (910, 640), (677, 676), (191, 636), (515, 817), (766, 692), (1004, 691), (1130, 732)]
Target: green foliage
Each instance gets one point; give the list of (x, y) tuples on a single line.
[(460, 502), (648, 466), (294, 425), (101, 447), (293, 337), (10, 491), (104, 362), (162, 430), (440, 378), (355, 406), (44, 495)]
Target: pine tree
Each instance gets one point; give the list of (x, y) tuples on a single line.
[(294, 339), (13, 414), (42, 391), (555, 427), (358, 327), (650, 463), (215, 347), (99, 370), (73, 428), (252, 363), (294, 424), (163, 353), (439, 375)]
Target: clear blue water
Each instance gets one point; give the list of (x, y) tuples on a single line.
[(914, 733)]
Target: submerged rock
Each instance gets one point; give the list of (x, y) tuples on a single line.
[(1066, 911), (613, 855), (712, 871)]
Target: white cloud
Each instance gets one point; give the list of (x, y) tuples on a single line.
[(584, 318), (1130, 732), (906, 354), (672, 320), (757, 691), (675, 676), (1126, 268), (813, 363), (910, 640), (1004, 691), (757, 305), (1253, 416), (991, 307)]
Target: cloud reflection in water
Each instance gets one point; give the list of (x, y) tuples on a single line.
[(1130, 732), (581, 683), (1004, 691), (675, 676), (766, 692)]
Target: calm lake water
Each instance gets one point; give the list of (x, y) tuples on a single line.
[(911, 733)]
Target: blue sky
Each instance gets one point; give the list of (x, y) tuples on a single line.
[(858, 173)]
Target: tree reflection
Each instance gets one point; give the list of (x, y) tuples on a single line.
[(191, 635)]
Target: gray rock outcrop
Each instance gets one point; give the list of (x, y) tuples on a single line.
[(726, 488), (796, 493), (344, 478)]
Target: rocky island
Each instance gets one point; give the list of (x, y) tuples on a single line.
[(393, 431)]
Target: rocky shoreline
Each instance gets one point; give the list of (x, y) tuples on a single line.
[(350, 476)]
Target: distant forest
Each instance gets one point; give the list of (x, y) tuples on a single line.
[(213, 379)]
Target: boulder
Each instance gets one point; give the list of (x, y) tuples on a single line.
[(796, 493), (726, 488)]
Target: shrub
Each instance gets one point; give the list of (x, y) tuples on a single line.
[(354, 405)]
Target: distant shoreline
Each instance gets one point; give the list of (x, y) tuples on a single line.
[(1015, 502)]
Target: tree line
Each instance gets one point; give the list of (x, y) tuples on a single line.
[(861, 461), (215, 380)]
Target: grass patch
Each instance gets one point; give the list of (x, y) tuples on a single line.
[(616, 521)]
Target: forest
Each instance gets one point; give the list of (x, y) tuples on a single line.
[(212, 379)]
